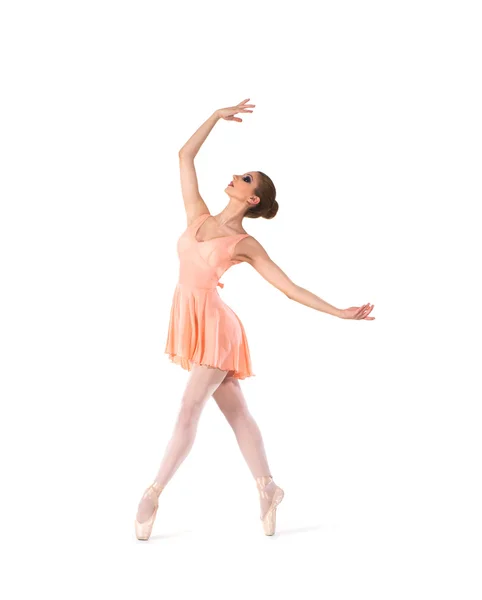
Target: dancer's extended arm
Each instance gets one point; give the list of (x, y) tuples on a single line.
[(252, 252)]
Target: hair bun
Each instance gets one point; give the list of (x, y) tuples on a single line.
[(273, 209)]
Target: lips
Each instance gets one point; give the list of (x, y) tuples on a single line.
[(231, 184)]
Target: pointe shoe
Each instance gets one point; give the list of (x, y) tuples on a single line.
[(269, 518), (144, 529)]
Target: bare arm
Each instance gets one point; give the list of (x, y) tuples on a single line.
[(252, 252), (191, 147), (193, 202)]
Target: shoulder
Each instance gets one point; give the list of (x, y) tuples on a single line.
[(193, 219), (247, 249)]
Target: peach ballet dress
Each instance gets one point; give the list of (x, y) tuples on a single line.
[(202, 328)]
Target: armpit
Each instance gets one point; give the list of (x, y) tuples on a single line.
[(241, 249)]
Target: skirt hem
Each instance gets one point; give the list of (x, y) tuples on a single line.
[(186, 363)]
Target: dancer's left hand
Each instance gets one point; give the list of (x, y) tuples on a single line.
[(358, 312)]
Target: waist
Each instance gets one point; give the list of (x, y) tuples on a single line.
[(198, 287)]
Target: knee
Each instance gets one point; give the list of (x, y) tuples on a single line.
[(187, 418), (189, 412), (237, 414)]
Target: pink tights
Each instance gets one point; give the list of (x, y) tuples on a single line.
[(204, 382)]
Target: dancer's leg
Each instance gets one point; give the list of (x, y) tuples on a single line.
[(202, 383), (230, 399)]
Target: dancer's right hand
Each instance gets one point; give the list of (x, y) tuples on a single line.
[(228, 113)]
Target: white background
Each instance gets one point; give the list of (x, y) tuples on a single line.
[(368, 121)]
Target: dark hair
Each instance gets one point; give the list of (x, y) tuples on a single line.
[(267, 206)]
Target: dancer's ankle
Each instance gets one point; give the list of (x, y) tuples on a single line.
[(263, 481), (157, 487)]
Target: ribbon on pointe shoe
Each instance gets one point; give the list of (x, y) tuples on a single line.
[(262, 482), (221, 285)]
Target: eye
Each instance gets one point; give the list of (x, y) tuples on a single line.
[(247, 178)]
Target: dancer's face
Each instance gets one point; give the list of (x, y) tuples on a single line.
[(242, 187)]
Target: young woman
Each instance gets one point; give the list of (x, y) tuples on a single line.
[(205, 336)]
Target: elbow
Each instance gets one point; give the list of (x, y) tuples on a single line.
[(290, 292)]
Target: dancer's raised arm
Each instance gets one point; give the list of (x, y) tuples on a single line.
[(193, 201)]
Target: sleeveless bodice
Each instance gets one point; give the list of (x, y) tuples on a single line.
[(202, 263), (203, 329)]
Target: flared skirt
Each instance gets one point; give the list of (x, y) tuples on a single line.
[(204, 330)]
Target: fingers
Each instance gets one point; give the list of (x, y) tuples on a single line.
[(365, 310), (242, 105), (359, 313)]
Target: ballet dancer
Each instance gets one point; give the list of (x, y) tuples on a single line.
[(205, 336)]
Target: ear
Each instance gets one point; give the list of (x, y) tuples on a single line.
[(254, 200)]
